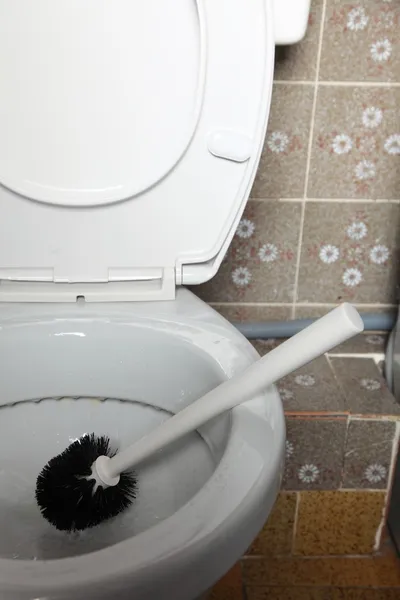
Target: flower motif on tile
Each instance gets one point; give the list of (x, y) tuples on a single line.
[(241, 276), (308, 473), (268, 253), (375, 473), (342, 144), (245, 228), (305, 380), (354, 254), (374, 340), (285, 394), (392, 144), (387, 18), (278, 142), (381, 50), (372, 385), (352, 277), (289, 449), (379, 254), (357, 19), (366, 144), (357, 230), (372, 117), (365, 169), (329, 254)]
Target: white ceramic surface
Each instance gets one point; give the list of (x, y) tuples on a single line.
[(151, 115), (161, 354)]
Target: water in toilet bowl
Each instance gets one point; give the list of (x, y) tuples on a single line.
[(32, 432)]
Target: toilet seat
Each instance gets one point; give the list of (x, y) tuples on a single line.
[(174, 231)]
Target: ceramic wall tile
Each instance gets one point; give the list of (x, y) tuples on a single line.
[(312, 389), (361, 41), (326, 571), (314, 453), (365, 594), (241, 313), (338, 522), (350, 252), (356, 143), (288, 593), (368, 454), (298, 62), (282, 169), (276, 537), (364, 388), (260, 264), (365, 343)]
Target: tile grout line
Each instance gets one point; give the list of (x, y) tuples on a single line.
[(304, 304), (308, 164), (373, 84), (329, 200), (295, 520)]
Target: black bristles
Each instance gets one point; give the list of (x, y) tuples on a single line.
[(64, 495)]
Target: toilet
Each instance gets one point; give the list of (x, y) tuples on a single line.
[(130, 138)]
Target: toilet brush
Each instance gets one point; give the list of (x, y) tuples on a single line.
[(88, 483)]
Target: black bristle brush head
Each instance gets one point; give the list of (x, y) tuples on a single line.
[(70, 501)]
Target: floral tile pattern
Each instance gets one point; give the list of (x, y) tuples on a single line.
[(350, 251), (365, 343), (260, 264), (356, 145), (365, 389), (368, 454), (312, 389), (361, 41), (299, 62), (312, 463), (282, 169)]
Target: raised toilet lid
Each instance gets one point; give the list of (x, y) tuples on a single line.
[(130, 134)]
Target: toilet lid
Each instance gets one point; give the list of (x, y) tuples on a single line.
[(129, 134)]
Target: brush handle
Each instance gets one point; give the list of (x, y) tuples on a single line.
[(324, 334)]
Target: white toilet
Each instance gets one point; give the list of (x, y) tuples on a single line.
[(130, 135)]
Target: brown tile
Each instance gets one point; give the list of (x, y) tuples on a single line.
[(229, 587), (312, 311), (265, 346), (365, 343), (281, 173), (356, 143), (288, 593), (312, 389), (327, 571), (311, 462), (364, 594), (276, 537), (361, 41), (365, 389), (338, 522), (253, 312), (350, 252), (298, 62), (260, 264), (368, 454)]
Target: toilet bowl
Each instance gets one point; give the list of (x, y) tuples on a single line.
[(122, 368), (131, 135)]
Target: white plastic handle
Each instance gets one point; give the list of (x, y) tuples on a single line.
[(327, 332)]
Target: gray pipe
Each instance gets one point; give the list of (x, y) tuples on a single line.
[(284, 329)]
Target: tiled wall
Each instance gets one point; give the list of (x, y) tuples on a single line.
[(323, 221)]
